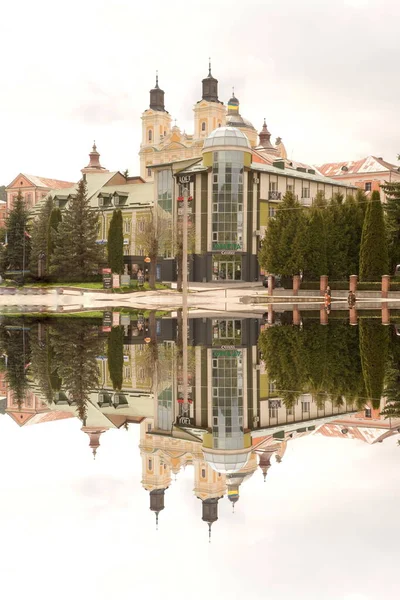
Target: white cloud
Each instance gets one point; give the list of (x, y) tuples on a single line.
[(323, 74)]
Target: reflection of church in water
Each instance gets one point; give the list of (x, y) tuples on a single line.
[(226, 422)]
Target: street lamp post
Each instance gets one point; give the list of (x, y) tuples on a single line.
[(185, 297)]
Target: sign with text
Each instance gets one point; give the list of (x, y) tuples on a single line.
[(107, 281)]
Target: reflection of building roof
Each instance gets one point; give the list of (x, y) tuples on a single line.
[(224, 461), (370, 164), (370, 435), (226, 136)]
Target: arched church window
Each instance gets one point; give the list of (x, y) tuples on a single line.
[(203, 126), (150, 135)]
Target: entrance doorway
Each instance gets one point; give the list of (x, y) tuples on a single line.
[(227, 267)]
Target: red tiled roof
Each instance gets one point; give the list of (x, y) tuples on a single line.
[(370, 164), (52, 184)]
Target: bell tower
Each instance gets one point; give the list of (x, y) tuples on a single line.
[(156, 125), (209, 112)]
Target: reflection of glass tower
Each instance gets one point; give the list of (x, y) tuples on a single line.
[(227, 446)]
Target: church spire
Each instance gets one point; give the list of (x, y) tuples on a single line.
[(157, 97), (94, 162), (265, 137), (157, 502), (210, 86)]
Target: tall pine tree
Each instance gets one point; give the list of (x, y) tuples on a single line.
[(115, 243), (374, 261), (52, 228), (392, 211), (77, 256), (281, 250), (115, 355), (17, 251), (39, 237)]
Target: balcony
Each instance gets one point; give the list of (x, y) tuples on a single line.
[(274, 195)]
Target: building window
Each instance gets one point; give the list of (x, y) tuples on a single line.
[(127, 225), (141, 225), (290, 187), (272, 186), (150, 135), (305, 407), (148, 172), (148, 427), (368, 186), (227, 193), (203, 126), (150, 464), (164, 189), (203, 473), (305, 192), (271, 211)]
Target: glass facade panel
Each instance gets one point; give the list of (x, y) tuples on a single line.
[(165, 410), (165, 189), (227, 405), (227, 199)]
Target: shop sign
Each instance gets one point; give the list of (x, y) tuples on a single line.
[(184, 421), (107, 281), (225, 353), (274, 403), (185, 179), (226, 246), (107, 318)]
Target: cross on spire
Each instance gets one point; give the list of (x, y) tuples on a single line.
[(157, 78), (209, 66)]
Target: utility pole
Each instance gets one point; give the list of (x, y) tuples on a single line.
[(185, 299)]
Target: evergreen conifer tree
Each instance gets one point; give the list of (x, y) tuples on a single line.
[(39, 236), (392, 211), (282, 247), (374, 341), (314, 241), (76, 347), (52, 227), (76, 252), (115, 355), (374, 260), (115, 243), (17, 251)]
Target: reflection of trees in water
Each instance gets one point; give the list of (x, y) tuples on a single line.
[(392, 378), (374, 341), (322, 360), (15, 345), (76, 347), (115, 356)]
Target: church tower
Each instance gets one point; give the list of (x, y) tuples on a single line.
[(209, 112), (156, 124)]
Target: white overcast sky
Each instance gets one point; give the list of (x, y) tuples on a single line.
[(324, 74), (324, 526)]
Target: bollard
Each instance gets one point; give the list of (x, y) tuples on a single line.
[(271, 284), (296, 285), (385, 285), (353, 316), (323, 284), (353, 284), (385, 314), (323, 316), (296, 315)]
